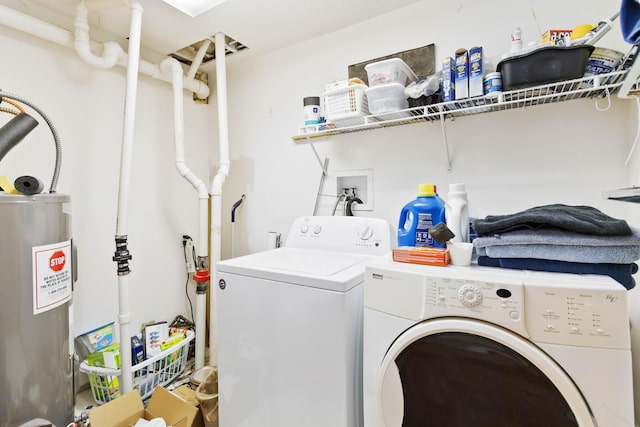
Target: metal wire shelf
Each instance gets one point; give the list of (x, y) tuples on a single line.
[(598, 87)]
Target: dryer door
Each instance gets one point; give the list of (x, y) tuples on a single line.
[(455, 372)]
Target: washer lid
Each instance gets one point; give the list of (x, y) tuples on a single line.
[(337, 271)]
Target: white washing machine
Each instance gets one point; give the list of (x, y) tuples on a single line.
[(289, 326), (480, 346)]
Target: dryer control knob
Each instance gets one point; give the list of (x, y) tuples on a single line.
[(304, 228), (470, 295), (317, 229)]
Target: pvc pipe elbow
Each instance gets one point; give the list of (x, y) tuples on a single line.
[(200, 89), (170, 65), (110, 50), (218, 180), (186, 173), (109, 56)]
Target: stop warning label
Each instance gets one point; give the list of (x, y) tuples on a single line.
[(57, 261), (52, 279)]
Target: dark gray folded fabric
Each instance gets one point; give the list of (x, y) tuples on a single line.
[(578, 219)]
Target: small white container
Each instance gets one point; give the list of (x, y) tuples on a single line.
[(386, 98), (393, 70), (461, 253), (493, 84)]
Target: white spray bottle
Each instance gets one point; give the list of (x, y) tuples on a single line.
[(457, 212)]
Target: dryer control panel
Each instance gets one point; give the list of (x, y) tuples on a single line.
[(594, 314), (419, 292), (556, 308), (366, 236)]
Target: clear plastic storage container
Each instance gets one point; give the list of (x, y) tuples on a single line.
[(387, 98), (393, 70)]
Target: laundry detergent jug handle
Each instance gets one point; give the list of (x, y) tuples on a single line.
[(405, 226)]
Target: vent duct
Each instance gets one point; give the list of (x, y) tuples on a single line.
[(187, 55)]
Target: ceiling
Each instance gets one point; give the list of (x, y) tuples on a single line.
[(260, 25)]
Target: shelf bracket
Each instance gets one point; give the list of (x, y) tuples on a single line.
[(313, 147), (319, 193), (629, 84), (444, 139)]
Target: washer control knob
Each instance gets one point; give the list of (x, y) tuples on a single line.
[(317, 229), (366, 233), (470, 295), (304, 228)]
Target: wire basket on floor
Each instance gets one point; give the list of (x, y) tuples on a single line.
[(159, 370)]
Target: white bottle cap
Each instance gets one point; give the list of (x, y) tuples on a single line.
[(457, 188)]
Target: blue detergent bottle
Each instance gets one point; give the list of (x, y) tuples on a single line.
[(418, 216)]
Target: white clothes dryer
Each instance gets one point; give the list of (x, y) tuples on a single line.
[(289, 326), (481, 346)]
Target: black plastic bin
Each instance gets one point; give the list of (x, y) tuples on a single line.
[(545, 65)]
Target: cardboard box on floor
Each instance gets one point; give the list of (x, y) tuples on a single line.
[(189, 396), (127, 409)]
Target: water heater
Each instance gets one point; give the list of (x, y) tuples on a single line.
[(36, 278)]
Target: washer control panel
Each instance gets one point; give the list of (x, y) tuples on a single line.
[(369, 236)]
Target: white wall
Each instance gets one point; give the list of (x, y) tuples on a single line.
[(86, 106), (564, 153), (510, 160)]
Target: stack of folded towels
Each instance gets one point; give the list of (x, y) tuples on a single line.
[(560, 238)]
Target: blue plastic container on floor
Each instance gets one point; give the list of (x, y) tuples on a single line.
[(418, 216)]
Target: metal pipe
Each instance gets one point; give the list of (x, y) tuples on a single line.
[(233, 225)]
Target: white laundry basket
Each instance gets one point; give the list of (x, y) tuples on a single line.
[(159, 370)]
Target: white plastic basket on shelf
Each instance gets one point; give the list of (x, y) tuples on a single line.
[(345, 106), (159, 370)]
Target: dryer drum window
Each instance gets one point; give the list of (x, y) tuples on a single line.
[(455, 379)]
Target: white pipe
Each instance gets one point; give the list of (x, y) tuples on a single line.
[(216, 186), (124, 317), (22, 22), (198, 59), (107, 4), (173, 67), (111, 50)]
